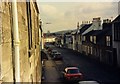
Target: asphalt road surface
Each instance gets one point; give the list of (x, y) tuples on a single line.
[(92, 70)]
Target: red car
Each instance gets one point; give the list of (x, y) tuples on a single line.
[(72, 74)]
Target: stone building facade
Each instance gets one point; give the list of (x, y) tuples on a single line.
[(116, 37), (29, 35)]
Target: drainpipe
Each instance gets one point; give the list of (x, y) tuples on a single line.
[(1, 42), (16, 41)]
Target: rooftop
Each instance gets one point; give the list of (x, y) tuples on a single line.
[(117, 19), (85, 27)]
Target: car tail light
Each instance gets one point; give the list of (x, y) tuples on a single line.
[(81, 76), (68, 77)]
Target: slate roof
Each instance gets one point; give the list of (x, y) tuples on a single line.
[(117, 19), (99, 32), (85, 27), (93, 33), (74, 32), (107, 30)]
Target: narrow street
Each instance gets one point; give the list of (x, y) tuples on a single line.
[(38, 39), (92, 70)]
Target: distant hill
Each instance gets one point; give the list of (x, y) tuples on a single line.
[(64, 31)]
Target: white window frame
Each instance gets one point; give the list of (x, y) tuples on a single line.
[(91, 38), (83, 38), (91, 48), (108, 40), (94, 37)]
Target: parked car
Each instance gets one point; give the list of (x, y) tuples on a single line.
[(72, 74), (49, 50), (57, 56), (53, 52), (89, 82)]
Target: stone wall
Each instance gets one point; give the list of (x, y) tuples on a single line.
[(23, 35), (29, 64), (7, 63), (0, 38)]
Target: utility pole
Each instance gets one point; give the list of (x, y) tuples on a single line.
[(42, 37)]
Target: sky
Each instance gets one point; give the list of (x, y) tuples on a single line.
[(58, 16)]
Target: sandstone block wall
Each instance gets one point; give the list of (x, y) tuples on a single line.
[(30, 65)]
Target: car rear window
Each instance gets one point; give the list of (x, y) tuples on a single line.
[(72, 71)]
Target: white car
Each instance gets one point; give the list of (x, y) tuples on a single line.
[(88, 82)]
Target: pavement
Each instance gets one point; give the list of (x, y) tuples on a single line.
[(50, 72)]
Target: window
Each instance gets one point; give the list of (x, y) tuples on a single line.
[(88, 49), (91, 38), (107, 40), (91, 49), (84, 38), (117, 31), (94, 41), (72, 71)]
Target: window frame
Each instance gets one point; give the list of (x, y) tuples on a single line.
[(108, 41)]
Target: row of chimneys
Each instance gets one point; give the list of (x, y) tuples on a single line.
[(97, 20)]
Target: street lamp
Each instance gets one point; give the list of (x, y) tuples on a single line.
[(42, 37), (41, 25)]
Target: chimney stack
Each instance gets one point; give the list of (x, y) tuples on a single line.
[(106, 21)]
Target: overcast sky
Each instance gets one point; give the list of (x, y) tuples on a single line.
[(65, 15)]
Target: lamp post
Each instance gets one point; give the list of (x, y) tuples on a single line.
[(42, 37), (41, 26)]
